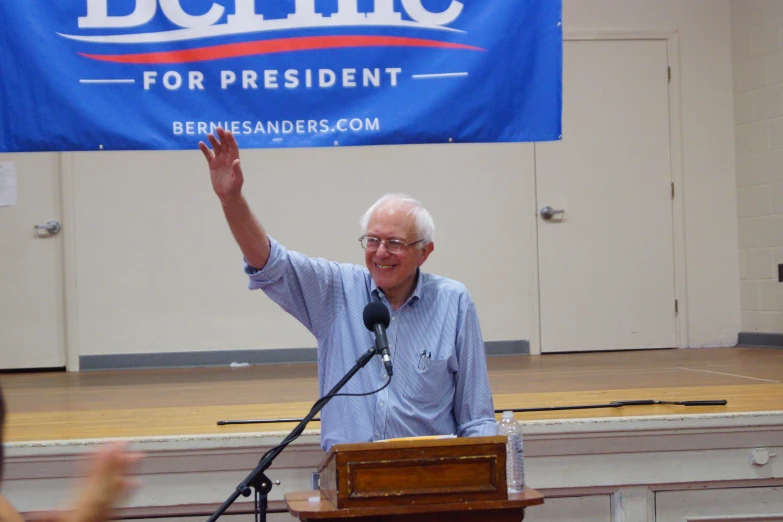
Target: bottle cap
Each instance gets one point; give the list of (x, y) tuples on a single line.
[(508, 414)]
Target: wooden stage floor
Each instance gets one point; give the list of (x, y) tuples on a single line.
[(183, 402)]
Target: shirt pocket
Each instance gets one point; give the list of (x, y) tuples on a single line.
[(432, 385)]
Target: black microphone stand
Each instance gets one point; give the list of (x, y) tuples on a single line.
[(257, 479)]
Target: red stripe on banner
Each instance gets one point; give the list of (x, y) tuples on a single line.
[(307, 43)]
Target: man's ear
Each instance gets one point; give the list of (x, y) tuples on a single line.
[(425, 252)]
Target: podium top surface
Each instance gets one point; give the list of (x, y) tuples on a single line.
[(417, 442), (409, 443), (313, 505)]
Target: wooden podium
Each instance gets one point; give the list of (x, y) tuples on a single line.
[(415, 480)]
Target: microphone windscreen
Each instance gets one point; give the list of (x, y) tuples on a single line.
[(376, 313)]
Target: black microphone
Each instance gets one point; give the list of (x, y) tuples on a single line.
[(376, 319)]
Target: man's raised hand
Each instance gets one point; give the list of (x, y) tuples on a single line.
[(224, 166)]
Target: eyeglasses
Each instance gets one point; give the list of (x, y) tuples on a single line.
[(393, 246)]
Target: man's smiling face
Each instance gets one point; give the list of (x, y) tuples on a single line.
[(395, 274)]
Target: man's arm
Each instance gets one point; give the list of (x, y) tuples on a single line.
[(473, 405), (225, 171)]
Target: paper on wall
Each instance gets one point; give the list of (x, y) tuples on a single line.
[(7, 184)]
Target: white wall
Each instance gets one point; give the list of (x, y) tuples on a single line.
[(157, 271), (757, 40)]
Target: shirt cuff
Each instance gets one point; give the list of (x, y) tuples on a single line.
[(479, 428), (272, 271)]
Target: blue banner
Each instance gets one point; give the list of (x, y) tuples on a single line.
[(161, 74)]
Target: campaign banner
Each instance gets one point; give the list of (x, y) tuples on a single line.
[(162, 74)]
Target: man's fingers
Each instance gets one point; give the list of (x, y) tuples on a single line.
[(215, 143), (115, 459), (221, 133), (132, 460), (205, 150), (124, 463), (230, 142)]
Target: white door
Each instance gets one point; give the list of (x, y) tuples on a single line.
[(606, 265), (31, 276)]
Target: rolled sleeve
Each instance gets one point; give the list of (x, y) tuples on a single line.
[(273, 270), (473, 405), (479, 428)]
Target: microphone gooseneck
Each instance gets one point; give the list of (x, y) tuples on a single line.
[(376, 319)]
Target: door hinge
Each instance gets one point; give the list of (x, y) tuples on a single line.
[(676, 306), (672, 190), (669, 73)]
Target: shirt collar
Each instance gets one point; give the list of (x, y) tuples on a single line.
[(415, 296)]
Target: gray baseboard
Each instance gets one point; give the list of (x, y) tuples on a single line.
[(137, 361), (494, 348), (765, 340)]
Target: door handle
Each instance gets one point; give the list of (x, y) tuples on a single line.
[(51, 227), (548, 212)]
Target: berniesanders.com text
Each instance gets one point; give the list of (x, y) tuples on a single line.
[(277, 127)]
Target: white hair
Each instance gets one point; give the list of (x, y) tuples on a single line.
[(425, 226)]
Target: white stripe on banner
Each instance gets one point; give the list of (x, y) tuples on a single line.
[(107, 81), (443, 75)]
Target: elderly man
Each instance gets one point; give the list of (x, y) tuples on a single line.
[(440, 384)]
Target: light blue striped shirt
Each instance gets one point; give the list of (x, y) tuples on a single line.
[(447, 394)]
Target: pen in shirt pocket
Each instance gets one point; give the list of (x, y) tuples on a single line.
[(423, 359)]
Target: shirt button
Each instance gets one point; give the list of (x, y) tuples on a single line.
[(381, 404), (377, 435), (394, 318)]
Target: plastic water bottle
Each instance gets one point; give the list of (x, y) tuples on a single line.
[(515, 463)]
